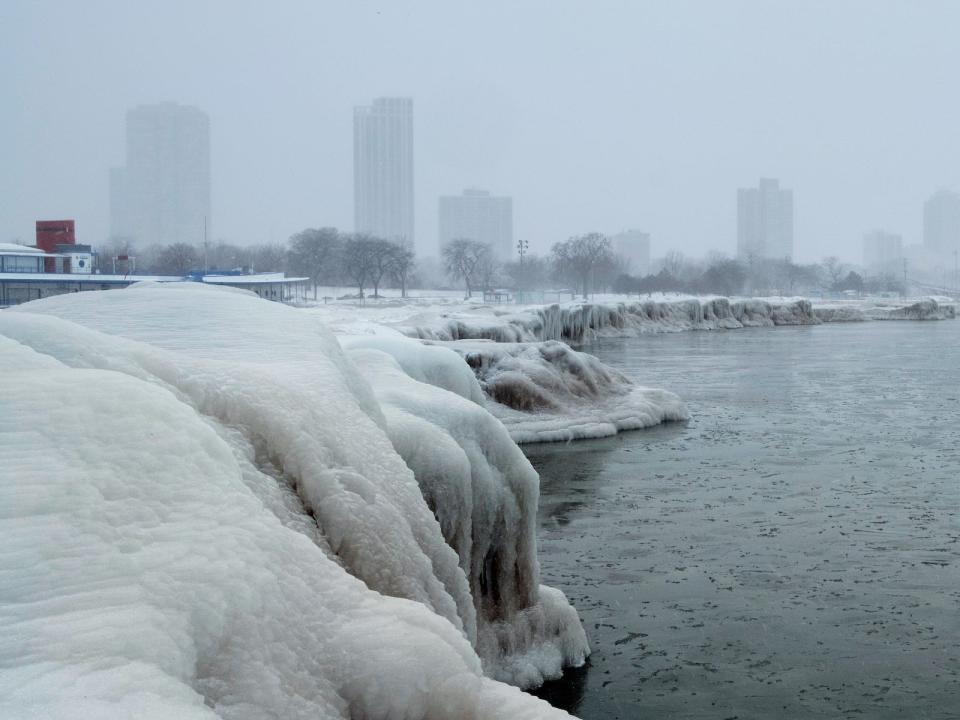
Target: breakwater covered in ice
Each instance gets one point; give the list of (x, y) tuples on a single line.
[(213, 510), (576, 322)]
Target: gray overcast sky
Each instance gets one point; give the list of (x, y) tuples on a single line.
[(593, 115)]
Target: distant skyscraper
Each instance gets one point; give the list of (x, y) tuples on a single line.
[(383, 169), (765, 221), (941, 222), (478, 215), (634, 246), (163, 193), (882, 252)]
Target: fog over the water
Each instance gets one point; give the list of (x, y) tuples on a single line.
[(592, 115)]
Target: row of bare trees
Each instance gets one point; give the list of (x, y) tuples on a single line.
[(752, 275), (327, 256), (583, 262), (324, 255)]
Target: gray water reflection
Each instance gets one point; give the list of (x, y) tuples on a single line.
[(792, 551)]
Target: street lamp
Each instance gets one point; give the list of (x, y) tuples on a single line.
[(522, 247)]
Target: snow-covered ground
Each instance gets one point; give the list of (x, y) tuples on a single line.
[(210, 509)]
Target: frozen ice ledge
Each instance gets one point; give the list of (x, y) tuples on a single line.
[(576, 322), (212, 509)]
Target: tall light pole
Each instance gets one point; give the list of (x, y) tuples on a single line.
[(522, 247), (956, 277)]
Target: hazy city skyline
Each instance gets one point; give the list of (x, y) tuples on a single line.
[(632, 115)]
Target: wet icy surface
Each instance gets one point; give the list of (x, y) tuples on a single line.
[(793, 551)]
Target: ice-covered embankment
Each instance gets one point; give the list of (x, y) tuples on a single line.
[(204, 515), (862, 310), (577, 321)]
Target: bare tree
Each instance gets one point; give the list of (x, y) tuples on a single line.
[(358, 260), (835, 271), (382, 254), (176, 259), (269, 258), (312, 253), (674, 263), (402, 265), (461, 259), (487, 269), (579, 257), (224, 256), (533, 274)]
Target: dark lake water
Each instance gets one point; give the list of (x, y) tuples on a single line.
[(791, 552)]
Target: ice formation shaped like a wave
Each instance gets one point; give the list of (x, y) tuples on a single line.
[(576, 322), (204, 516), (547, 392)]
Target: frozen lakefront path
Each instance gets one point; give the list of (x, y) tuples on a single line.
[(793, 551)]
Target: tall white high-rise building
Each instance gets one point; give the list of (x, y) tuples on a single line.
[(633, 246), (941, 223), (882, 252), (765, 221), (478, 215), (383, 169), (162, 195)]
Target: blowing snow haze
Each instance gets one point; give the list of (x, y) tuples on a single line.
[(591, 116)]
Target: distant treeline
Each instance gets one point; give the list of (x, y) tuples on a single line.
[(581, 264)]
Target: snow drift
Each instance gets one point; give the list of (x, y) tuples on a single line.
[(576, 322), (205, 516)]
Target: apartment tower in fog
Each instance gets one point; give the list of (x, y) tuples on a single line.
[(941, 223), (162, 195), (478, 215), (765, 221), (383, 169)]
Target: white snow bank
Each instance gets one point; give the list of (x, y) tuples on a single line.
[(577, 321), (158, 563)]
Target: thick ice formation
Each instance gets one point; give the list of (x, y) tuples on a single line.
[(576, 322), (158, 563), (860, 310), (483, 491), (546, 392)]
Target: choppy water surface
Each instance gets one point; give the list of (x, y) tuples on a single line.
[(791, 552)]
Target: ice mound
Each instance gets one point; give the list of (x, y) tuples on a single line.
[(481, 488), (205, 516), (545, 392), (579, 321)]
